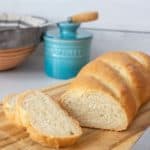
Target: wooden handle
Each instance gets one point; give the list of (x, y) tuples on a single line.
[(84, 17)]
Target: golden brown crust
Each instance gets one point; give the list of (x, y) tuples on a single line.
[(141, 57), (135, 72), (85, 84), (119, 74), (112, 80)]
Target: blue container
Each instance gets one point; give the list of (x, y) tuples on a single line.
[(66, 50)]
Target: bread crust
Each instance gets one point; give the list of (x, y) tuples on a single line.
[(111, 79), (126, 78), (84, 84), (138, 75), (50, 141), (141, 57)]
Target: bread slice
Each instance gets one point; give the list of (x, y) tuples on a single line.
[(46, 122), (9, 107)]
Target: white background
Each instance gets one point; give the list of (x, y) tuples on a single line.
[(114, 14)]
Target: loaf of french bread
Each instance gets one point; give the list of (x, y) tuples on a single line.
[(108, 92)]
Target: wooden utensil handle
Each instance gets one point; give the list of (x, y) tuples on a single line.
[(84, 17)]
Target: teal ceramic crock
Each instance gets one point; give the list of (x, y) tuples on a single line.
[(67, 50)]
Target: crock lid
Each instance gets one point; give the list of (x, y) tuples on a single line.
[(68, 31)]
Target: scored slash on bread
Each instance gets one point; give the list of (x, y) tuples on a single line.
[(108, 92), (45, 121)]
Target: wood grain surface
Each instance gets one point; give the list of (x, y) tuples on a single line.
[(16, 138)]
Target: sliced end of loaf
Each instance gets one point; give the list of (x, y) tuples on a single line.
[(9, 107), (46, 121), (93, 106)]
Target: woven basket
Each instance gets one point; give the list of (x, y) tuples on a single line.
[(12, 58)]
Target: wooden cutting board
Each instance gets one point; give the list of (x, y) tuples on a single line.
[(14, 138)]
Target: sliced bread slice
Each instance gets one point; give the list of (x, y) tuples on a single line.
[(9, 107), (46, 122)]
